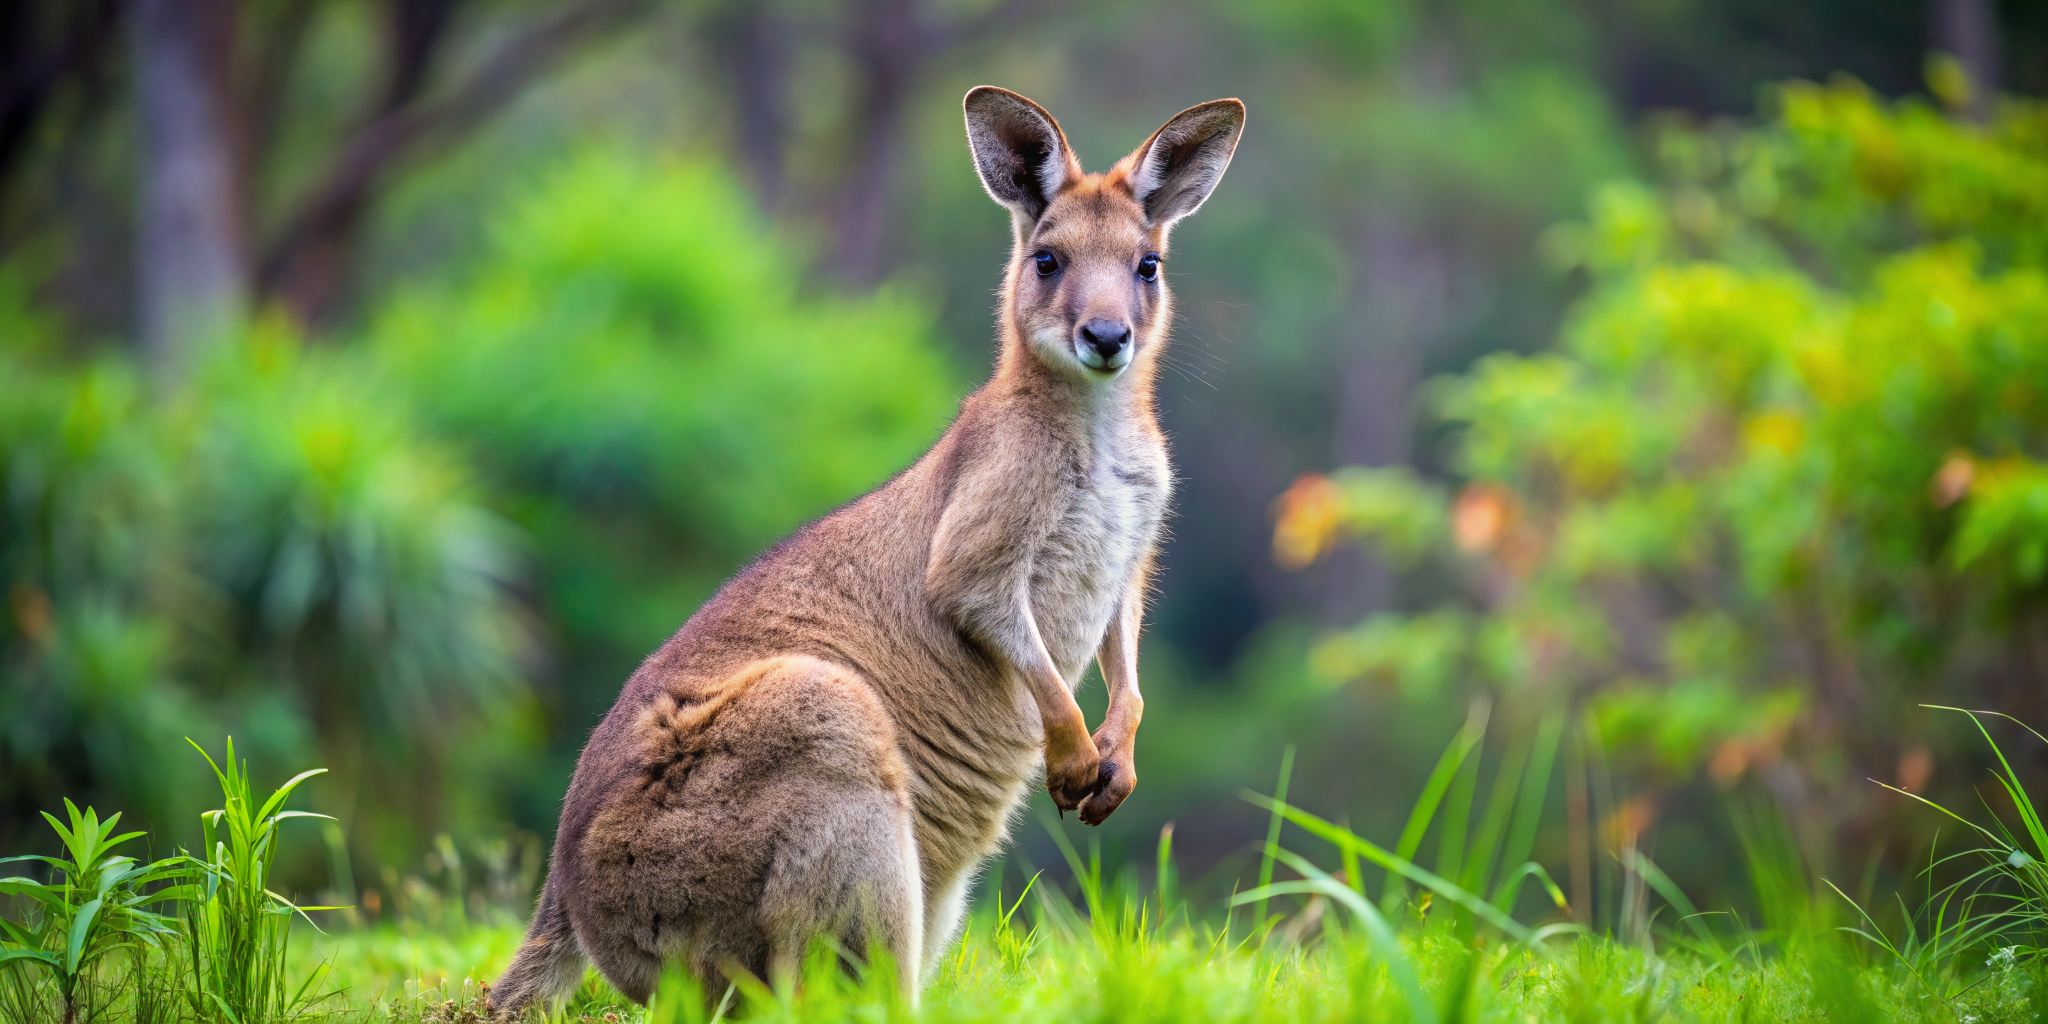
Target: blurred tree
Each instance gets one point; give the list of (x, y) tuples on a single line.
[(755, 49), (188, 249), (889, 49), (309, 259), (1967, 30), (220, 89), (1782, 479), (360, 550)]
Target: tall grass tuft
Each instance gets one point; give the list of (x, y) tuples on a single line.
[(1991, 923), (237, 931)]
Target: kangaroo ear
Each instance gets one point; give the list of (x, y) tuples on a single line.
[(1177, 168), (1019, 150)]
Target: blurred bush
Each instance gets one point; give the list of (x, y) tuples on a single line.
[(1783, 476), (384, 551), (634, 369)]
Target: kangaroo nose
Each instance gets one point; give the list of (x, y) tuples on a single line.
[(1103, 343)]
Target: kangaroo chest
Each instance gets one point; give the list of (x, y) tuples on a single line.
[(1115, 503)]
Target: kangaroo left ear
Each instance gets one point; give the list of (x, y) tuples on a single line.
[(1176, 169)]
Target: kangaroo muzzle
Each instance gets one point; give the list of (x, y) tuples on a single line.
[(1103, 345)]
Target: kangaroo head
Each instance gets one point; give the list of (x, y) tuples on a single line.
[(1085, 294)]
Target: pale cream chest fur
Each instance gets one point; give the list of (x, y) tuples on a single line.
[(1110, 523)]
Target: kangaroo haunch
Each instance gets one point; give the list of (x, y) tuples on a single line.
[(837, 740)]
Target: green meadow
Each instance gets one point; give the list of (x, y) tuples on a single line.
[(1338, 928)]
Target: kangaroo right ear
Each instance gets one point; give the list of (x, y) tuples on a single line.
[(1018, 149)]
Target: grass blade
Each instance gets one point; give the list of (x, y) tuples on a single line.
[(1272, 836)]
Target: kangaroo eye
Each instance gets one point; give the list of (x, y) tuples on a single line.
[(1148, 268), (1046, 263)]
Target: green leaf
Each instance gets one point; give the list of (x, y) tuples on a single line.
[(58, 827), (172, 867), (1377, 927), (1658, 880), (21, 935), (52, 861), (1440, 781), (171, 894), (8, 956), (114, 871), (52, 897), (1373, 852), (277, 798), (225, 1009), (81, 930)]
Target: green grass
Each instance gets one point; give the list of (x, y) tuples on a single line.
[(1340, 929), (1310, 969), (1316, 941)]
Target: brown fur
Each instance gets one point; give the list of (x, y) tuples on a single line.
[(835, 742)]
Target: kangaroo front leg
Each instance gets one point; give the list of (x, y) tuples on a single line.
[(1117, 739), (979, 574), (1072, 765)]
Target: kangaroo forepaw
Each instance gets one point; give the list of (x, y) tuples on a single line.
[(1071, 777), (1114, 781)]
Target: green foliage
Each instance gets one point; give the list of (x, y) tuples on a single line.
[(376, 550), (99, 904), (276, 546), (653, 396), (1785, 468), (352, 548), (91, 562), (221, 956), (237, 931)]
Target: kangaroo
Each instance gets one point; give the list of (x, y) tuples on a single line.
[(835, 742)]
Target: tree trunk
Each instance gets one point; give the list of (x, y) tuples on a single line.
[(886, 42), (190, 271), (313, 277), (1968, 31), (752, 44), (308, 263)]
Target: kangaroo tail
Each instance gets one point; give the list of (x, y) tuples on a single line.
[(547, 968)]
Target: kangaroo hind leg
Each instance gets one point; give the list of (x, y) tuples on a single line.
[(846, 866), (853, 877), (763, 809)]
